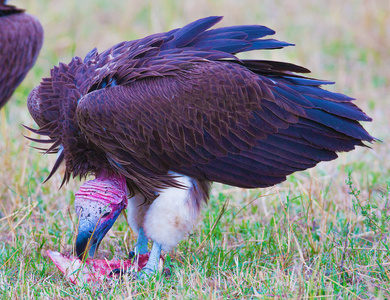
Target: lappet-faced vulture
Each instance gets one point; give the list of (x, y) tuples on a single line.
[(156, 120), (21, 37)]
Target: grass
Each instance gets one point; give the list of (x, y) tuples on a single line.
[(323, 234)]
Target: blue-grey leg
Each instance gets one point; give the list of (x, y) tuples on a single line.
[(154, 259), (142, 242)]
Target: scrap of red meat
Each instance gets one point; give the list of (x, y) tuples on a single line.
[(94, 270)]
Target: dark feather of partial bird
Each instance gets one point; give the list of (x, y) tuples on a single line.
[(182, 101), (21, 37)]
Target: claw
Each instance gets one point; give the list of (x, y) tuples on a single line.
[(131, 254), (152, 267), (116, 272)]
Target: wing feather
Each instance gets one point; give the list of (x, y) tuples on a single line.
[(223, 123)]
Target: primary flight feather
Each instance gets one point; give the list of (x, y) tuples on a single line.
[(159, 118)]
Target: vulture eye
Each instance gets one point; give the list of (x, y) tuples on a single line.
[(105, 214)]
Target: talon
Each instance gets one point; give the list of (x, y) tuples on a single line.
[(147, 271), (142, 276), (145, 274), (118, 271), (131, 254)]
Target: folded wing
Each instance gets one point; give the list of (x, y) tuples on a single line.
[(221, 121)]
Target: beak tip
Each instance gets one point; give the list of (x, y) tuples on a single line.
[(86, 243), (91, 233), (81, 244)]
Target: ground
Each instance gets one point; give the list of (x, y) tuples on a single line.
[(324, 233)]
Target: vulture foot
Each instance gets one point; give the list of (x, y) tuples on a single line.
[(152, 266)]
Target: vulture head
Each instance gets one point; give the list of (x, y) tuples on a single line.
[(98, 204)]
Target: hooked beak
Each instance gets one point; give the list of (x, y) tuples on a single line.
[(91, 232)]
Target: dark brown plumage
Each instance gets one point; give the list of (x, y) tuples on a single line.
[(182, 102), (21, 37), (169, 113)]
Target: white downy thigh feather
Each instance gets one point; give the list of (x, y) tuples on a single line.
[(172, 215), (136, 210)]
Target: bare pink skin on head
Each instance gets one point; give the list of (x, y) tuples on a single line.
[(105, 188), (103, 194), (94, 270)]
